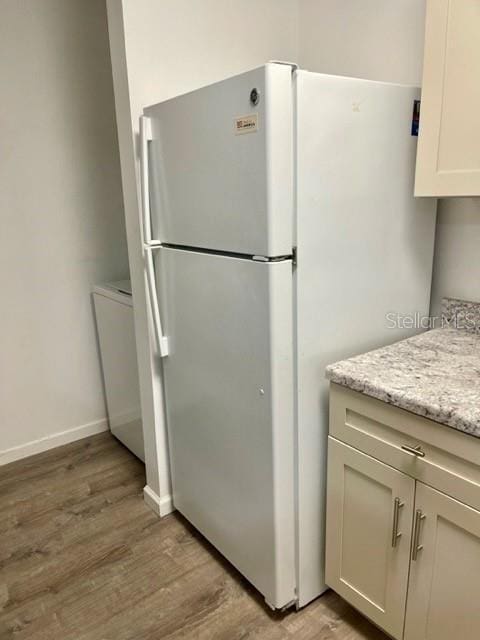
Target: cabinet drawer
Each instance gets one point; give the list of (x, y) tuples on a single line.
[(451, 461)]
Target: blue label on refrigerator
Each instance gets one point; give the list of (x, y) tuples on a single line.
[(415, 117)]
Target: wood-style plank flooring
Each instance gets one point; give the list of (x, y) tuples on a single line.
[(83, 558)]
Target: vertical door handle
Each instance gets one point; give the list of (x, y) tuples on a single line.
[(416, 546), (145, 137), (397, 505), (148, 244)]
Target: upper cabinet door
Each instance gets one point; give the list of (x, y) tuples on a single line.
[(221, 165), (448, 161), (445, 576), (369, 519)]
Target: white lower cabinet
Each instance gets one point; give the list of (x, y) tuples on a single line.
[(444, 585), (369, 522), (402, 552)]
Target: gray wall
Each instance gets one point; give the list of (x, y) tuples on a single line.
[(62, 223)]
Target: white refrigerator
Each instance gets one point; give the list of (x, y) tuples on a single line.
[(279, 230)]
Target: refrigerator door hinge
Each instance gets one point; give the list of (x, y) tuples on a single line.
[(274, 258), (293, 65), (292, 603), (153, 244)]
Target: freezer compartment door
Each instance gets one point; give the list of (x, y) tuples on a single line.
[(221, 166), (229, 397)]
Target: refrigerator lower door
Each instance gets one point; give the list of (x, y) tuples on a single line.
[(229, 397)]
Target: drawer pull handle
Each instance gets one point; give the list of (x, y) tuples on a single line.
[(419, 516), (416, 451), (397, 505)]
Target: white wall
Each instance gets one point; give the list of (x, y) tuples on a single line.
[(374, 39), (456, 269), (62, 225), (160, 49)]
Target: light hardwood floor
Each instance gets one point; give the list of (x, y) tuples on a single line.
[(82, 558)]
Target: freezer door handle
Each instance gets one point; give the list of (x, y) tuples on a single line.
[(145, 137), (148, 244)]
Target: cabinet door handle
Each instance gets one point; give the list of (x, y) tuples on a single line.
[(397, 505), (416, 451), (416, 547)]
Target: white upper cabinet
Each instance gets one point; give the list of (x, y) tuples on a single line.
[(448, 160)]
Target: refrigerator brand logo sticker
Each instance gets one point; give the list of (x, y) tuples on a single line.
[(246, 124)]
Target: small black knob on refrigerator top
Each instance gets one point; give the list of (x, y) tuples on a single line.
[(254, 96)]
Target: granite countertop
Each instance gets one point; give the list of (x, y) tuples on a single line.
[(435, 374)]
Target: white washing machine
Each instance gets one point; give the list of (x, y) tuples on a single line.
[(116, 334)]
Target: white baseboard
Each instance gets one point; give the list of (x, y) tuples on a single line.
[(161, 506), (52, 441)]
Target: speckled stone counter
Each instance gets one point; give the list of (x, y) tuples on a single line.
[(435, 374)]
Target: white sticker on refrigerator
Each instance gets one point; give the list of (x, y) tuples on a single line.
[(246, 124)]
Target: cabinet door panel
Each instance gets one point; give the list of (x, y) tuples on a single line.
[(362, 565), (445, 579), (448, 162)]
